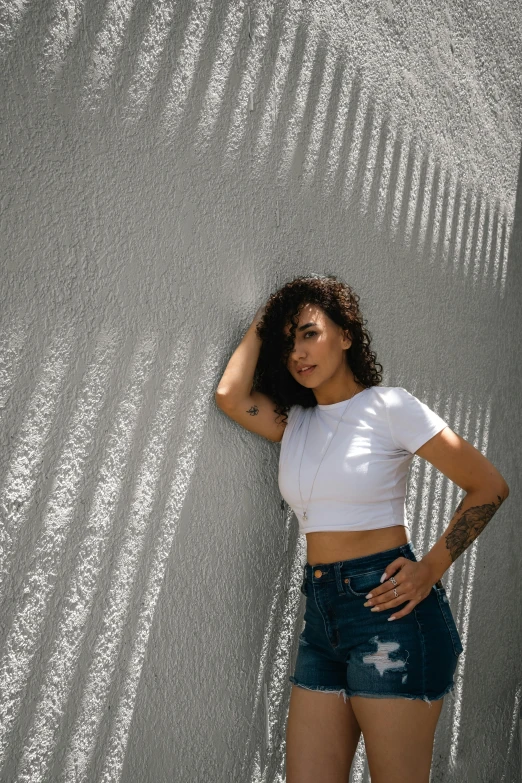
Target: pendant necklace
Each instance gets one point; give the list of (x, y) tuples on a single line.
[(333, 436)]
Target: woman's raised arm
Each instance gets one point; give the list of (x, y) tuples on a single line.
[(234, 396)]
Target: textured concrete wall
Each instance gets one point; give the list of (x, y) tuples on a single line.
[(165, 166)]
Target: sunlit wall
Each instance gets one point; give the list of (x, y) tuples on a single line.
[(165, 167)]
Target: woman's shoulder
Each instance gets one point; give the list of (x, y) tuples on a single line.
[(391, 393), (390, 398)]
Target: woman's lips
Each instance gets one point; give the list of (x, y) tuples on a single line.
[(307, 372)]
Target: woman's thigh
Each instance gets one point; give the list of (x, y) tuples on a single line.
[(321, 737), (398, 737)]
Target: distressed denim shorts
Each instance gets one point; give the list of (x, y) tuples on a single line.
[(347, 648)]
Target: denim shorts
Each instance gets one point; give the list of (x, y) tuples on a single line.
[(346, 648)]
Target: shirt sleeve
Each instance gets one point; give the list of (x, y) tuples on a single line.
[(411, 421)]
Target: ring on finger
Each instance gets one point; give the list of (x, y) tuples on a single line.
[(394, 582)]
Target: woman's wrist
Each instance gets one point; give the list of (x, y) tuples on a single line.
[(257, 319)]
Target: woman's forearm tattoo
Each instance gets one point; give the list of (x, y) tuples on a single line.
[(468, 527)]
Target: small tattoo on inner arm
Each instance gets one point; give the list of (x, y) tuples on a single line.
[(468, 527), (254, 410)]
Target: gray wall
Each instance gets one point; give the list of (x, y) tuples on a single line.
[(165, 166)]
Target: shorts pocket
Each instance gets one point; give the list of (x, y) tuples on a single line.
[(448, 616), (303, 586), (361, 584)]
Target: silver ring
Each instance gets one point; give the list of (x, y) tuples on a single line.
[(394, 582)]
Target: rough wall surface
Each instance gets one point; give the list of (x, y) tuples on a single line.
[(165, 166)]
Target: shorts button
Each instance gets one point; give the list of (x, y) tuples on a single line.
[(346, 580), (318, 573)]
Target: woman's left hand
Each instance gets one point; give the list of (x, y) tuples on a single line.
[(414, 582)]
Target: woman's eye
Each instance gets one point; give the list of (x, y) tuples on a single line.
[(306, 333)]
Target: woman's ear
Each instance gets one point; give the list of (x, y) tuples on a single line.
[(347, 338)]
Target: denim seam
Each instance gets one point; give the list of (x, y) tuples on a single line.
[(423, 646), (450, 629), (320, 612), (364, 592)]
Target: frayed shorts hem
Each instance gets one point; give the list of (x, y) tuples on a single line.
[(320, 688), (348, 694)]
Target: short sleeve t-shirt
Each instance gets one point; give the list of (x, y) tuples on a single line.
[(367, 444)]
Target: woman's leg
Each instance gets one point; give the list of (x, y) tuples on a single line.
[(321, 737), (398, 737)]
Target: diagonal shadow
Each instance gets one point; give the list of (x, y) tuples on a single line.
[(380, 174)]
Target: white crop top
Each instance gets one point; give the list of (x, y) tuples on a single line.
[(361, 483)]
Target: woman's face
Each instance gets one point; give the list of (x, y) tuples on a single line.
[(319, 343)]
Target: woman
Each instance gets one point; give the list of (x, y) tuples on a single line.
[(378, 625)]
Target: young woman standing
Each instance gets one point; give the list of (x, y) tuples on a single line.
[(378, 626)]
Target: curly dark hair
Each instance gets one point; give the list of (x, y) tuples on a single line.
[(341, 304)]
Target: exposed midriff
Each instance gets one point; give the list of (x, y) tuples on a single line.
[(332, 546)]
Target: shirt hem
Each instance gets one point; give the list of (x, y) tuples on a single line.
[(330, 529)]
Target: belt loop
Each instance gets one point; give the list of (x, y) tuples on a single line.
[(338, 580), (407, 549)]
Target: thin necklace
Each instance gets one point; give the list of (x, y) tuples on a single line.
[(316, 472)]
